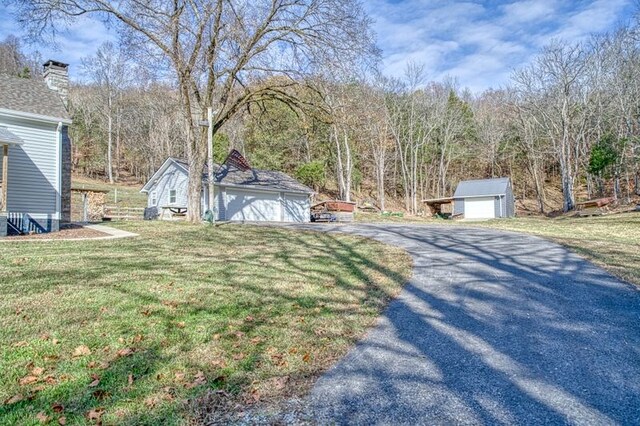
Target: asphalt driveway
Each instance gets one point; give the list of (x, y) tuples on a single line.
[(494, 328)]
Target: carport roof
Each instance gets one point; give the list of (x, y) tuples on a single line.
[(482, 187)]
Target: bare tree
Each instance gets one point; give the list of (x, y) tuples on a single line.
[(221, 52), (553, 89), (109, 71)]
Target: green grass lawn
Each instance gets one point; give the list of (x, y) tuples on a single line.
[(612, 242), (160, 328)]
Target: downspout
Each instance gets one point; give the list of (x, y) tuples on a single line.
[(500, 202), (59, 168)]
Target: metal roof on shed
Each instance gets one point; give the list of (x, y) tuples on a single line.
[(482, 187)]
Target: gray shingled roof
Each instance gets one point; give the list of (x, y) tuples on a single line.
[(264, 179), (31, 95), (8, 137), (478, 188)]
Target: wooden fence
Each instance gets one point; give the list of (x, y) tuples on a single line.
[(123, 213)]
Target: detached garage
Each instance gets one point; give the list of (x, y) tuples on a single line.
[(241, 193), (484, 199)]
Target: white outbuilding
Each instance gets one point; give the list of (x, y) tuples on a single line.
[(484, 199), (240, 195)]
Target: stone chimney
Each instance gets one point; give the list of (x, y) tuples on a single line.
[(56, 75)]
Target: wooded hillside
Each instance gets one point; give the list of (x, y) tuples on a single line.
[(567, 123)]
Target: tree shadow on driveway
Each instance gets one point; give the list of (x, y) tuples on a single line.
[(494, 327)]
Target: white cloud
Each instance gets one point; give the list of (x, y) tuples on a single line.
[(478, 44), (529, 11)]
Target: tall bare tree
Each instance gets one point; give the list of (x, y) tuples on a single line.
[(109, 71), (222, 51)]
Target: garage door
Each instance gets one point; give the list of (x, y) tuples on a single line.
[(296, 208), (479, 208), (252, 205)]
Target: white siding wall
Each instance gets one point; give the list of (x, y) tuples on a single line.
[(296, 208), (173, 178), (34, 171)]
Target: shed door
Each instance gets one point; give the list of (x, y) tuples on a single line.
[(296, 208), (479, 208), (252, 205)]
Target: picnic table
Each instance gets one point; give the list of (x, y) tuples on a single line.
[(175, 210)]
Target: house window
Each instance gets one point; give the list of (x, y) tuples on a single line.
[(154, 198), (172, 196)]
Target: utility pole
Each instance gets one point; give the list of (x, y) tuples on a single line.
[(210, 160)]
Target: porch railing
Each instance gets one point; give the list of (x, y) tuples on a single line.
[(23, 223)]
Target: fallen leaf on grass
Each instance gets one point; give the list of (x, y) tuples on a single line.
[(62, 421), (124, 352), (306, 357), (170, 303), (130, 379), (199, 379), (256, 340), (36, 371), (20, 344), (14, 399), (216, 337), (81, 350), (55, 341), (42, 417), (44, 336), (27, 380), (180, 324), (219, 363), (95, 414), (179, 376), (138, 338), (249, 318), (95, 382), (100, 394), (57, 408), (50, 380), (239, 356), (151, 402)]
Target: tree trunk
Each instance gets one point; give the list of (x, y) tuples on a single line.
[(110, 142), (349, 168)]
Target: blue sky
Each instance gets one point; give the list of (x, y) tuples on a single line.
[(477, 42)]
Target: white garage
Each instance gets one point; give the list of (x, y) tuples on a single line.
[(479, 208), (241, 194), (252, 205), (484, 199)]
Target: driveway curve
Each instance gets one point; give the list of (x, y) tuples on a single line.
[(493, 328)]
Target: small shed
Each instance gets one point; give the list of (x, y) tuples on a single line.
[(484, 199)]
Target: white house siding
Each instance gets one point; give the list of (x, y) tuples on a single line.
[(174, 177), (33, 175), (296, 208)]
